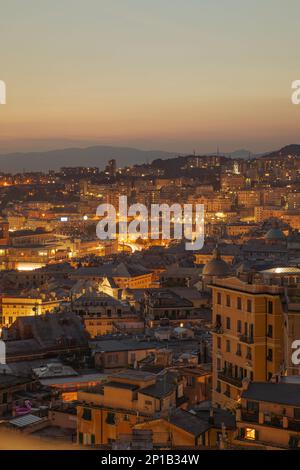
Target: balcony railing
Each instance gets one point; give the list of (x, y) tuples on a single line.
[(294, 425), (250, 417), (225, 376), (272, 420), (246, 339), (218, 329)]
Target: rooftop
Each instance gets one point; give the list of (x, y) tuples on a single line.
[(282, 393), (189, 422)]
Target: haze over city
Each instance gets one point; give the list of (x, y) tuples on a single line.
[(153, 75)]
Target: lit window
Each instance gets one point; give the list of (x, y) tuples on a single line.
[(250, 434)]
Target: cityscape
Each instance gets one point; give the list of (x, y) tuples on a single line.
[(135, 343), (149, 231)]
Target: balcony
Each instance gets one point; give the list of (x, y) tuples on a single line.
[(225, 376), (249, 417), (272, 420), (246, 339), (218, 329), (294, 425)]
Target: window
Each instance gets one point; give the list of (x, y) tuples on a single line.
[(87, 414), (218, 363), (270, 307), (239, 303), (297, 413), (219, 298), (80, 438), (218, 342), (249, 353), (228, 301), (270, 375), (92, 439), (251, 434), (239, 326), (270, 355), (249, 305), (218, 388), (252, 406), (228, 323), (110, 418), (190, 381), (228, 345), (270, 331), (238, 350)]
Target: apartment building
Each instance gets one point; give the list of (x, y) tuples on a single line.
[(128, 398), (269, 416), (103, 314), (247, 337)]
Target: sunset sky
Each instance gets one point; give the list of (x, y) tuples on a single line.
[(156, 74)]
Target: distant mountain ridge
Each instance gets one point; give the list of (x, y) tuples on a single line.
[(291, 149), (98, 155)]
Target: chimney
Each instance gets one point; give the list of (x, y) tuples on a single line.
[(211, 419)]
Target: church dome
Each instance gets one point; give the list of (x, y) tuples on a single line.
[(216, 266)]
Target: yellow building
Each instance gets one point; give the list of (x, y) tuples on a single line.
[(211, 428), (247, 337), (115, 408), (103, 314), (122, 275), (269, 415), (12, 308)]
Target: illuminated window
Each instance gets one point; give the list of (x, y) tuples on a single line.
[(250, 434)]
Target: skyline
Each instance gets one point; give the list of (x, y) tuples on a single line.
[(161, 75)]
